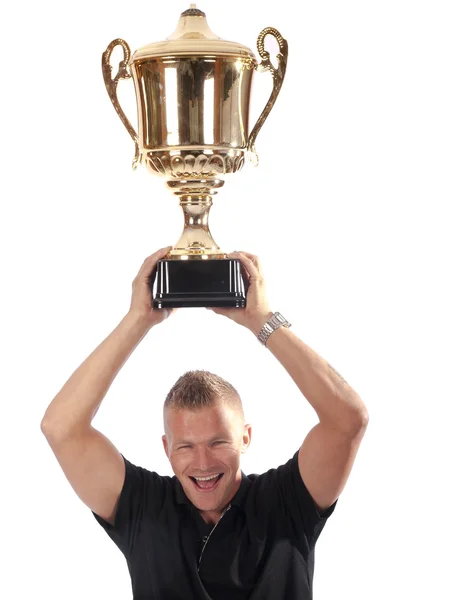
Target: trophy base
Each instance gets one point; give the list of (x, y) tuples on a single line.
[(185, 283)]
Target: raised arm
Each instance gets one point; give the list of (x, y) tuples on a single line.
[(327, 454), (91, 463)]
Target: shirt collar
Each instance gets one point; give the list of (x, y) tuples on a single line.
[(237, 500)]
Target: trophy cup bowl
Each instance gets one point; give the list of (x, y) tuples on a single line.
[(193, 97)]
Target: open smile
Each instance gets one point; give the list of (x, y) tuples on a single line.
[(206, 486)]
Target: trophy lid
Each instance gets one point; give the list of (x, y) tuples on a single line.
[(193, 37)]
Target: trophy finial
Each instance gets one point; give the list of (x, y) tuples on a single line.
[(193, 11)]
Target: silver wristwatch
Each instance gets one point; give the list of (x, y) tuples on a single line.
[(275, 321)]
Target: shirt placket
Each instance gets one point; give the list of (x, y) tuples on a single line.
[(206, 537)]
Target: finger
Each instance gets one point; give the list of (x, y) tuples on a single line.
[(255, 259), (248, 264), (246, 278), (245, 274), (248, 254), (149, 263)]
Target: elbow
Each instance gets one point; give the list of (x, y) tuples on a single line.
[(50, 429), (361, 420), (46, 428), (363, 413), (358, 420)]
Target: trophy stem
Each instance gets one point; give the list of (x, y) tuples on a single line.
[(196, 241)]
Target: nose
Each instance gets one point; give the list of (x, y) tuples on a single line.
[(202, 461)]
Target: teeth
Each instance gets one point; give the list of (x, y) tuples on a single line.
[(206, 478)]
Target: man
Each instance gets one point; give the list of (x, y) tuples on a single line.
[(210, 532)]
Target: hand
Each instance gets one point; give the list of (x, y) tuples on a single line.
[(257, 310), (142, 297)]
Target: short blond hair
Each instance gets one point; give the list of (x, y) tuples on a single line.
[(199, 389)]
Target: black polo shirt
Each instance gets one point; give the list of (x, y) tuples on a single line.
[(261, 549)]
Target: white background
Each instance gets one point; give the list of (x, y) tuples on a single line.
[(353, 238)]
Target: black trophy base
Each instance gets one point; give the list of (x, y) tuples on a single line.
[(184, 283)]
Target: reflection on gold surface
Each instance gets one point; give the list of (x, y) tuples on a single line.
[(193, 98), (191, 102), (170, 106), (196, 240), (278, 78), (111, 87)]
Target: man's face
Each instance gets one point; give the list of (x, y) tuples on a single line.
[(204, 443)]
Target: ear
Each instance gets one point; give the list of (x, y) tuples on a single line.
[(247, 438), (166, 445), (249, 434)]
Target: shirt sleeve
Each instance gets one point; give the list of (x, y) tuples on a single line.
[(298, 502), (142, 495)]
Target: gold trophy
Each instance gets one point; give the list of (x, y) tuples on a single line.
[(193, 97)]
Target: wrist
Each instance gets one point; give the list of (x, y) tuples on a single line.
[(137, 322), (271, 325), (258, 322)]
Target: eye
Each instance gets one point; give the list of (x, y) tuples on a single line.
[(214, 444)]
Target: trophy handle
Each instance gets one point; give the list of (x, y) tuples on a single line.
[(278, 78), (111, 87)]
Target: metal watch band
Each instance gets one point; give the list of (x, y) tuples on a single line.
[(276, 320)]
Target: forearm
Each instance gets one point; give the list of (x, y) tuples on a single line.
[(77, 402), (333, 399)]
